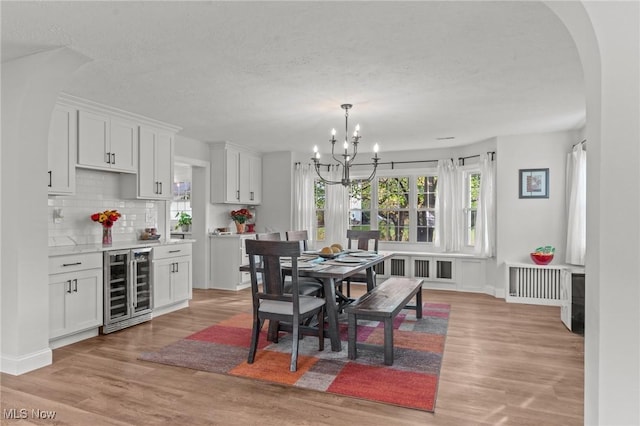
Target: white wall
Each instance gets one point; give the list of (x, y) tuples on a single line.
[(524, 224), (30, 87), (275, 211), (607, 36)]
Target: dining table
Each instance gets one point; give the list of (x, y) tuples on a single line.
[(332, 271)]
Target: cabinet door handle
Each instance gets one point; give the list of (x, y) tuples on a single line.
[(69, 290), (160, 188), (108, 160), (237, 194), (251, 195), (173, 267), (175, 251), (177, 267), (49, 178), (113, 158), (75, 285), (72, 264)]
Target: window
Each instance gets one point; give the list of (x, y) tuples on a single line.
[(393, 208), (426, 208), (360, 205), (403, 207), (472, 191), (320, 197)]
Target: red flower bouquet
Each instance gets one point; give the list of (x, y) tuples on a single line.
[(241, 216), (107, 218)]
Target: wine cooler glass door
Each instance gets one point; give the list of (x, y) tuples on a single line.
[(141, 281), (116, 288)]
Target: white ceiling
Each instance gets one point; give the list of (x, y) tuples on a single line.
[(272, 75)]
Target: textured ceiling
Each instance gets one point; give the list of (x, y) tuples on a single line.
[(272, 75)]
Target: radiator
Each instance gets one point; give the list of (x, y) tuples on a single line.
[(535, 285)]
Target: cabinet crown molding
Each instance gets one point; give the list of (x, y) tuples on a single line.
[(88, 105)]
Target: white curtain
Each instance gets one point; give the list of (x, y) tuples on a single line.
[(336, 213), (486, 213), (577, 206), (448, 207), (303, 200)]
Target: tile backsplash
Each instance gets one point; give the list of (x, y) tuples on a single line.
[(97, 191)]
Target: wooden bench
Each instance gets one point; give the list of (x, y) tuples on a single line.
[(383, 303)]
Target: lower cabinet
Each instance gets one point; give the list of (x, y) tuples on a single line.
[(172, 273), (227, 255), (75, 297)]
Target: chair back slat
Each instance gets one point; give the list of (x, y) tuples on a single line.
[(269, 236), (270, 252), (363, 238), (302, 236)]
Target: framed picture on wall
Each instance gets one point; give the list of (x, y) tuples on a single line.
[(534, 183)]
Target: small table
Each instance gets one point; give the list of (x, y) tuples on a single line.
[(334, 273)]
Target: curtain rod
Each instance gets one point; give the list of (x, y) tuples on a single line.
[(578, 143), (393, 163)]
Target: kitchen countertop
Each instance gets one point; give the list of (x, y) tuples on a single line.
[(96, 248)]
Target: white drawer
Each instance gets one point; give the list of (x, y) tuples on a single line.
[(74, 262), (171, 250)]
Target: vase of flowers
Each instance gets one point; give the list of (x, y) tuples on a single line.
[(106, 218), (240, 217)]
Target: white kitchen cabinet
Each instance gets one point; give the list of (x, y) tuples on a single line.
[(62, 146), (172, 272), (155, 167), (250, 178), (107, 142), (227, 255), (75, 297), (236, 175)]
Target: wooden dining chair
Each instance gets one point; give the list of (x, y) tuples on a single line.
[(362, 241), (273, 304), (302, 236), (306, 286)]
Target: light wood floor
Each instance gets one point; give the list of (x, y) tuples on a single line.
[(505, 364)]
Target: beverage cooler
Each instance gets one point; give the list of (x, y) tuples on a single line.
[(128, 288)]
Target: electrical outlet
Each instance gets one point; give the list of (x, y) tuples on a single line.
[(58, 216)]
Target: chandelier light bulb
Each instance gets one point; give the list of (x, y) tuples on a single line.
[(376, 148), (345, 159)]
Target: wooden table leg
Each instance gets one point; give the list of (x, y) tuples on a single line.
[(419, 303), (332, 313), (388, 341), (353, 336), (370, 279)]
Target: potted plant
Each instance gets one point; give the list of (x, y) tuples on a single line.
[(184, 221), (240, 217)]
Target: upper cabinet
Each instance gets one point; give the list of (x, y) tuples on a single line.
[(61, 173), (107, 142), (236, 175), (95, 136), (155, 166)]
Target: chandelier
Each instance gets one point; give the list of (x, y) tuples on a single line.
[(347, 158)]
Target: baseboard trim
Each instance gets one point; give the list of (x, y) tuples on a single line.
[(23, 364)]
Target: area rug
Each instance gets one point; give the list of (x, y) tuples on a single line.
[(412, 380)]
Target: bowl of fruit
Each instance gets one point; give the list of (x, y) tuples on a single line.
[(543, 255), (331, 251)]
